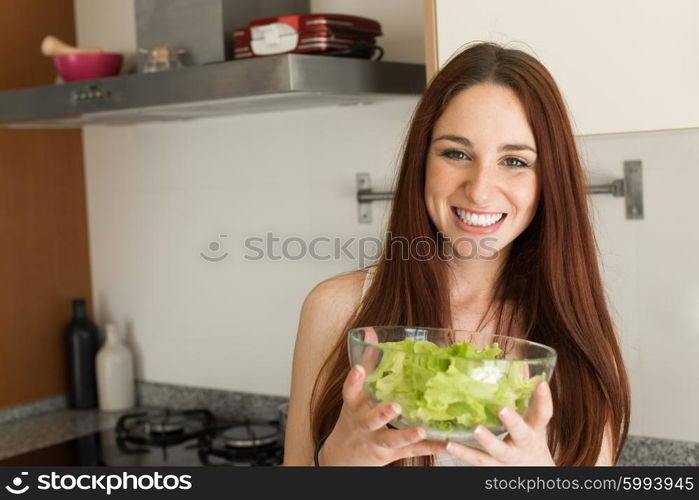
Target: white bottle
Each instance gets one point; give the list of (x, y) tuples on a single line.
[(115, 373)]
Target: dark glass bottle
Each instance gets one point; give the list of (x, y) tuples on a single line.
[(81, 343)]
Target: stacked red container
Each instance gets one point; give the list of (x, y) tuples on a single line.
[(329, 34)]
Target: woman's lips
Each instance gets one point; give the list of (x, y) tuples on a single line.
[(476, 229)]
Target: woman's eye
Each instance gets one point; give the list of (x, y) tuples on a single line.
[(521, 164), (454, 154)]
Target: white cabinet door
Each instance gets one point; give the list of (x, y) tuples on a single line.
[(622, 65)]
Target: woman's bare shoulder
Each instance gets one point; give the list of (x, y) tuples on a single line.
[(338, 295), (325, 311)]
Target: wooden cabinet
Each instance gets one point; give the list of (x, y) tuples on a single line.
[(44, 259), (622, 66)]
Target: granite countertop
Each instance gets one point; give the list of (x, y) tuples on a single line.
[(38, 431), (21, 430), (641, 450)]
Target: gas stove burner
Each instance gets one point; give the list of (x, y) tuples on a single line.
[(250, 444), (168, 425), (250, 436), (162, 427), (197, 437)]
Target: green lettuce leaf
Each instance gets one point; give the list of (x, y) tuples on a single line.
[(452, 388)]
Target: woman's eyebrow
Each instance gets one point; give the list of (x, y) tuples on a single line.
[(469, 144)]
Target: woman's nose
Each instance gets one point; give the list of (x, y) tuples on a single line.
[(480, 185)]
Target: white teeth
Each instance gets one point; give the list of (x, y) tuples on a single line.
[(477, 220)]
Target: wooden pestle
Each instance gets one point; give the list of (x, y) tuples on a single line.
[(52, 46)]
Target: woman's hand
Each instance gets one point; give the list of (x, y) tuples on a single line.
[(360, 436), (526, 443)]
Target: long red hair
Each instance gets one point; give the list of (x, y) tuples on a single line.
[(551, 276)]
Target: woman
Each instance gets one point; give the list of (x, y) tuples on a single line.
[(490, 136)]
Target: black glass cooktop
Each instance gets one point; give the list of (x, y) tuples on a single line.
[(103, 449)]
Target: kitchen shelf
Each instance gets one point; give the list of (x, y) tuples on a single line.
[(273, 83)]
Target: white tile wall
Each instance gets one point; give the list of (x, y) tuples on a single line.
[(651, 273), (159, 194)]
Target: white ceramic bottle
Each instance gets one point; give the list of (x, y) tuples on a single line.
[(115, 373)]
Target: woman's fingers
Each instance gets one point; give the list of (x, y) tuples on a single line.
[(470, 455), (410, 443), (371, 354), (389, 438), (370, 335), (422, 448), (539, 414), (381, 415), (518, 430), (353, 388), (497, 448)]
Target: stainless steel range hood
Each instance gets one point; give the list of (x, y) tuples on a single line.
[(288, 81)]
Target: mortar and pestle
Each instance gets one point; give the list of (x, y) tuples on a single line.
[(74, 63)]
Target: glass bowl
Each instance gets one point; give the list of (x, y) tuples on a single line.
[(449, 381)]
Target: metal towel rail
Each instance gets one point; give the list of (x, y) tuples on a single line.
[(630, 187)]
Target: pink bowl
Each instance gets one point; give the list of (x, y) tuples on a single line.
[(73, 67)]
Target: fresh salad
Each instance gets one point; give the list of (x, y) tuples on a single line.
[(450, 388)]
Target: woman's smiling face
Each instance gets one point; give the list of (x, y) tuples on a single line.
[(482, 180)]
